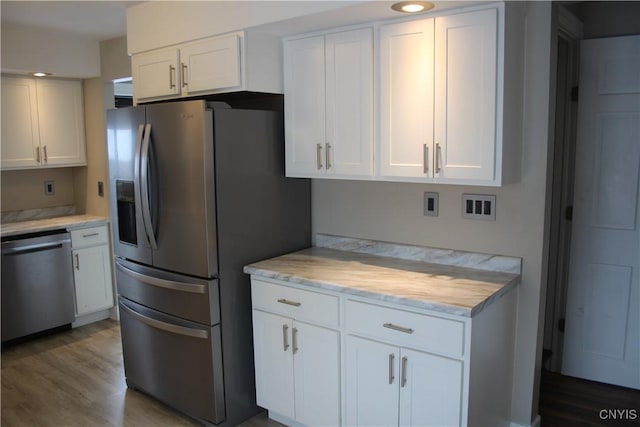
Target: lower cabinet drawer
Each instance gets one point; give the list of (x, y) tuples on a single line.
[(295, 303), (89, 236), (403, 328)]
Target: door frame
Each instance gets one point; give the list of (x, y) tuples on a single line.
[(569, 33)]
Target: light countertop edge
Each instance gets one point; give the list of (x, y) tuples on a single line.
[(509, 282), (70, 222)]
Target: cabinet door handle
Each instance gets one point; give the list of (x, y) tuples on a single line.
[(285, 337), (438, 154), (38, 154), (319, 156), (391, 368), (90, 235), (398, 328), (77, 262), (328, 155), (289, 302), (294, 335), (403, 380), (184, 75), (172, 70), (46, 157), (425, 158)]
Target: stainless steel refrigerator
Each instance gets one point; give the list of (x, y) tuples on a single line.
[(197, 192)]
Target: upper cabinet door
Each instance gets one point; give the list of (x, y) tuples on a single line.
[(465, 95), (156, 74), (406, 99), (61, 117), (304, 77), (20, 130), (211, 65), (349, 103)]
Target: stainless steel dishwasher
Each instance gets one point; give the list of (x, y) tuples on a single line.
[(37, 283)]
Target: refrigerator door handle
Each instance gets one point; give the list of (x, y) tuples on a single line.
[(162, 283), (144, 186), (168, 327)]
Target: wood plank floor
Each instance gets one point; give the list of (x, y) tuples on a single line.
[(76, 378)]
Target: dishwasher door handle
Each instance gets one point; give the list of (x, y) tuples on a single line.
[(31, 248)]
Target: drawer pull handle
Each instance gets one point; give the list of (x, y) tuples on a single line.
[(90, 235), (403, 380), (398, 328), (289, 302), (285, 337), (391, 369)]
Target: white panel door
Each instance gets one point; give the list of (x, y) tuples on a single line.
[(465, 95), (304, 105), (602, 332), (430, 390), (273, 362), (349, 103), (20, 130), (156, 74), (372, 383), (61, 118), (316, 363), (211, 64), (92, 274), (406, 99)]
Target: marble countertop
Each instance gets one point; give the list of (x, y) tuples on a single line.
[(68, 222), (447, 288)]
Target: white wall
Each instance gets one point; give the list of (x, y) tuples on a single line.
[(155, 24), (393, 212), (26, 49)]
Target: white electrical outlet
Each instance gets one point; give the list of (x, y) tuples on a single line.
[(479, 206)]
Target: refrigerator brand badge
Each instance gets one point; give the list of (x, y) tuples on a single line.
[(187, 115)]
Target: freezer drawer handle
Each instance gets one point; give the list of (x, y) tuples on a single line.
[(174, 329), (161, 283)]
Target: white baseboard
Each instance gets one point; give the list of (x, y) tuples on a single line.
[(90, 318), (535, 423)]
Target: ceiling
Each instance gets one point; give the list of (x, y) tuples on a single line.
[(96, 20)]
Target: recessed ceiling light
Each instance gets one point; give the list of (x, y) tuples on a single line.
[(40, 74), (412, 6)]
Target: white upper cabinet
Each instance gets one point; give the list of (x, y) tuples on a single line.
[(20, 128), (155, 73), (42, 123), (329, 105), (438, 99), (234, 62), (448, 107), (406, 99), (211, 64), (465, 96)]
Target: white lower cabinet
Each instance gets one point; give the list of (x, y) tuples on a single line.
[(92, 269), (332, 359), (389, 385), (297, 363)]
